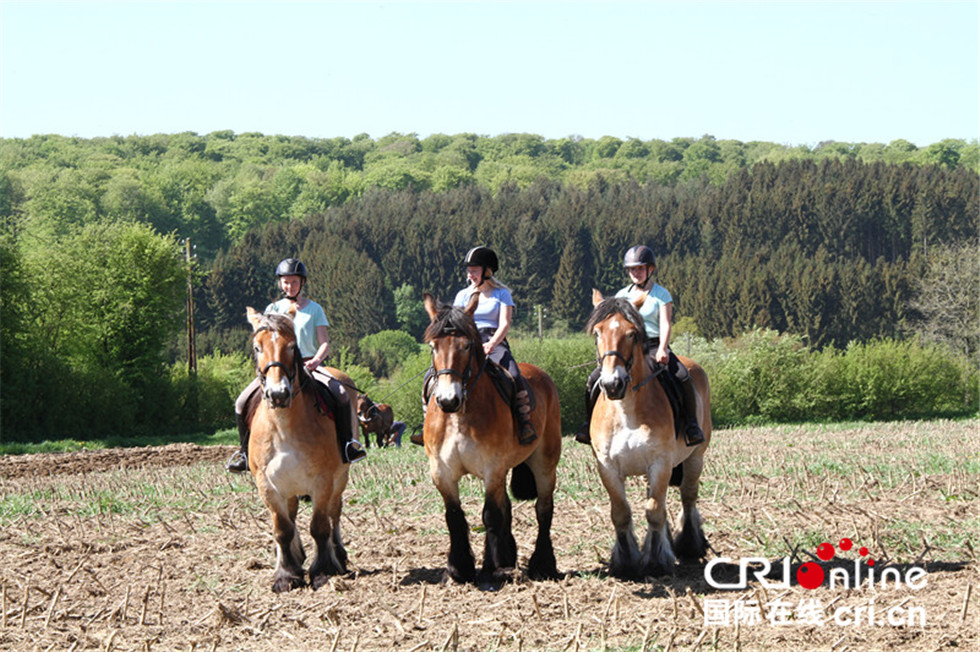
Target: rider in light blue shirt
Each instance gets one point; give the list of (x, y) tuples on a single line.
[(657, 312)]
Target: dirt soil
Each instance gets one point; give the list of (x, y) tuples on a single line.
[(160, 549)]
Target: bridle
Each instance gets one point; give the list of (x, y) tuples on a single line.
[(464, 376), (291, 373), (628, 364)]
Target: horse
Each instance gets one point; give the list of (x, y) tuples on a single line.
[(375, 418), (633, 434), (293, 452), (470, 429)]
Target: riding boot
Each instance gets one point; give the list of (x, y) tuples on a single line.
[(352, 448), (583, 436), (693, 435), (238, 462), (525, 429)]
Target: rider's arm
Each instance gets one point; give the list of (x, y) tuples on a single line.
[(322, 351), (666, 313), (503, 325)]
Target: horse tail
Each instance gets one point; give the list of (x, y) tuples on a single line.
[(522, 484)]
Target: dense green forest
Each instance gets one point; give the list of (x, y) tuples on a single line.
[(836, 244)]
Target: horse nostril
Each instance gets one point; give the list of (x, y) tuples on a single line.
[(449, 404)]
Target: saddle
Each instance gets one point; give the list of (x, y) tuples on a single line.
[(505, 384), (672, 388)]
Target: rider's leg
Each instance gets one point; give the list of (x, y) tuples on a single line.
[(693, 434), (522, 402), (346, 433), (583, 436), (238, 462)]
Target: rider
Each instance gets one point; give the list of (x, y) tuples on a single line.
[(310, 325), (494, 315), (657, 311)]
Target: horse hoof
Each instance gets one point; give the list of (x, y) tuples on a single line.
[(318, 581), (287, 583)]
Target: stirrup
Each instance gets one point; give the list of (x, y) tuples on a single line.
[(237, 463), (353, 451), (693, 435), (416, 438)]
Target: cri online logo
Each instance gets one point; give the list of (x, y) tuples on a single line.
[(811, 575)]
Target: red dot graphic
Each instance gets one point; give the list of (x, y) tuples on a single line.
[(863, 551), (871, 562), (845, 544), (825, 551), (809, 575)]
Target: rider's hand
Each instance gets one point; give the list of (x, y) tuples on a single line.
[(488, 347), (661, 355)]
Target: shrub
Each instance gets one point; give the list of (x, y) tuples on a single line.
[(385, 351)]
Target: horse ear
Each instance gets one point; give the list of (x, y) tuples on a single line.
[(596, 297), (472, 303), (430, 305), (254, 317), (638, 301), (292, 310)]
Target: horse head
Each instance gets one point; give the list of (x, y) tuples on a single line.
[(366, 409), (278, 362), (620, 339), (456, 350)]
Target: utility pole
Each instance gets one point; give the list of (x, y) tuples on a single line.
[(191, 347), (540, 322)]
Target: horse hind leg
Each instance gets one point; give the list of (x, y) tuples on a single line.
[(542, 564), (691, 544)]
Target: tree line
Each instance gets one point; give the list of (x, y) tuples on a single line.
[(837, 243)]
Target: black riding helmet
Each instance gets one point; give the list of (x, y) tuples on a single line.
[(481, 257), (291, 267), (638, 255)]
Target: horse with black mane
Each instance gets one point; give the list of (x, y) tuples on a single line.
[(633, 433), (470, 429)]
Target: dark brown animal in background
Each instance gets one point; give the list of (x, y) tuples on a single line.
[(374, 418)]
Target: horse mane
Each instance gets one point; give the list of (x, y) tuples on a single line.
[(453, 320), (621, 306)]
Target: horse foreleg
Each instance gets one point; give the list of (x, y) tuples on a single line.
[(625, 553), (658, 556), (289, 547), (690, 543), (330, 557), (500, 550)]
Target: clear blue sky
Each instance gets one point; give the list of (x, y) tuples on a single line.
[(785, 72)]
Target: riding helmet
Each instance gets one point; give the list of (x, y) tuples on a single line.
[(291, 267), (481, 257), (638, 255)]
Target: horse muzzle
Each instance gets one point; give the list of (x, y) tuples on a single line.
[(614, 387), (279, 396)]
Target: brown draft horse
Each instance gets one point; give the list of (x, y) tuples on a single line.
[(470, 429), (293, 452), (375, 418), (633, 434)]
